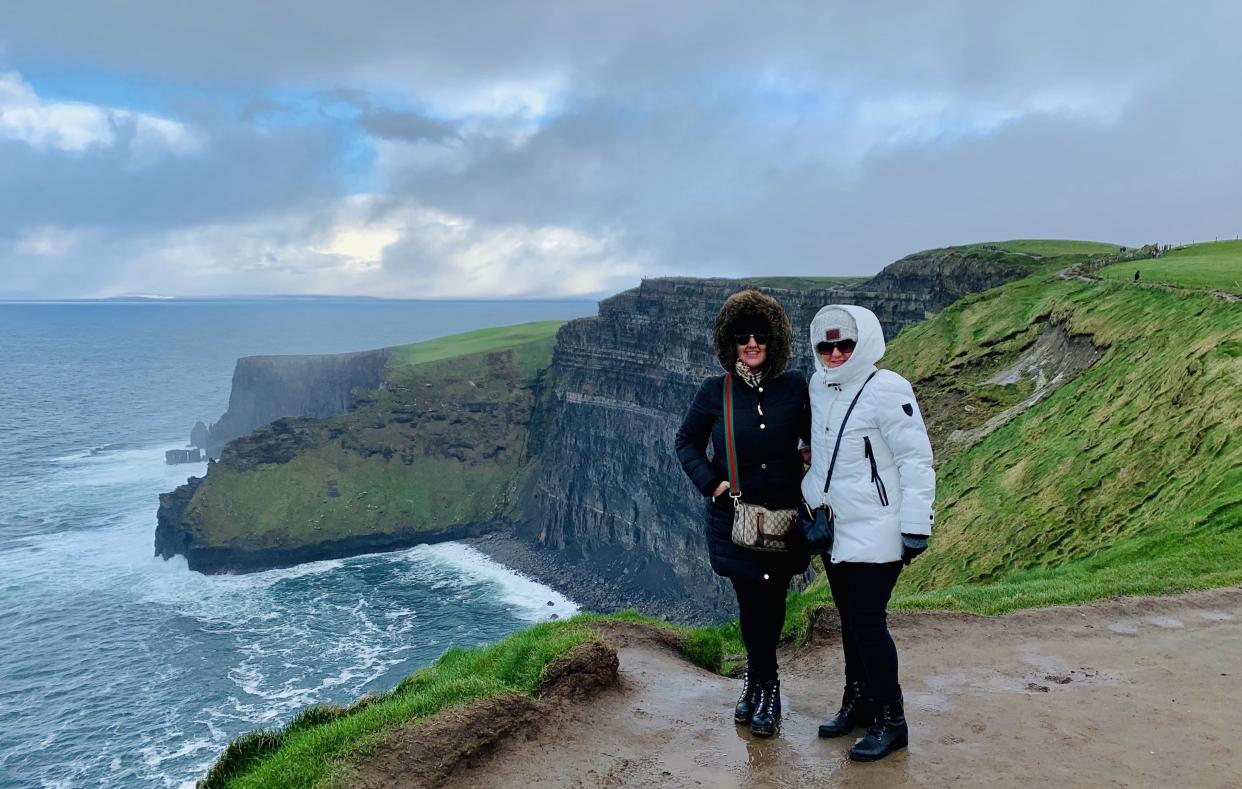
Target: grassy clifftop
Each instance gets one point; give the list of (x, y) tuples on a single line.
[(1126, 479), (1216, 265), (438, 446), (1051, 247)]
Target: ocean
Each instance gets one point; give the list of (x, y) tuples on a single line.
[(119, 669)]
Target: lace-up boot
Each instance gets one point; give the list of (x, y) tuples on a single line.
[(887, 733), (746, 702), (767, 714), (856, 710)]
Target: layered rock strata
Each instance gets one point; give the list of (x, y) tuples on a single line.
[(266, 388)]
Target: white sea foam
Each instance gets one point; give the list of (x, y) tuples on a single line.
[(530, 598), (283, 627), (112, 467)]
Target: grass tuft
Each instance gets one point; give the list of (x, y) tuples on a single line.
[(240, 756)]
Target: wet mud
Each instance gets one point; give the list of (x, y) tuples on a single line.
[(1129, 693)]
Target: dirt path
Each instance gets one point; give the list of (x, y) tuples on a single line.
[(1139, 692)]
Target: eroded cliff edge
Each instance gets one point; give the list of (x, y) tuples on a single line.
[(433, 452)]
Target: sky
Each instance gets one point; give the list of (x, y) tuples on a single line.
[(568, 149)]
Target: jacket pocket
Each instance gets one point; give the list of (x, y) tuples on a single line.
[(875, 472)]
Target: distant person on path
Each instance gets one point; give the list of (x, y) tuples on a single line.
[(882, 490), (770, 415)]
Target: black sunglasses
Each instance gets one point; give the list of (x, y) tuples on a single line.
[(743, 338), (846, 346)]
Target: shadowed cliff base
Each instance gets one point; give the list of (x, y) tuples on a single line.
[(1137, 691)]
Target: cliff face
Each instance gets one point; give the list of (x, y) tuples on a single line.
[(434, 454), (609, 493), (266, 388), (347, 453)]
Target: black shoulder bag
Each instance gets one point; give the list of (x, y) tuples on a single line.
[(819, 524)]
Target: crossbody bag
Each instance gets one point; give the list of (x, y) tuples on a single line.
[(818, 525)]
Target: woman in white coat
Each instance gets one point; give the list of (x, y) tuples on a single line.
[(882, 489)]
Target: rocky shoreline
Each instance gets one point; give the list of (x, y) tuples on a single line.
[(618, 587)]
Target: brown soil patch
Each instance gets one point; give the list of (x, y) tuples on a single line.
[(1131, 692), (430, 752)]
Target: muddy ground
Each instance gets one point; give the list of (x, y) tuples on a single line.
[(1139, 692)]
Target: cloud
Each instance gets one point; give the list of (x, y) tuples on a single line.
[(79, 126), (496, 149), (358, 245)]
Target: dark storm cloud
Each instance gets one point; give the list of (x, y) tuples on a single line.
[(410, 126), (696, 138), (238, 173)]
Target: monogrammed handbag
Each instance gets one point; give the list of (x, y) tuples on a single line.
[(755, 527)]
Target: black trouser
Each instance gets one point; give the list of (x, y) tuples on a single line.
[(861, 591), (761, 614)]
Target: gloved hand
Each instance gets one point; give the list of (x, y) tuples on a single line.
[(911, 546)]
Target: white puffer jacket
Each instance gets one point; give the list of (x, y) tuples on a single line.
[(883, 483)]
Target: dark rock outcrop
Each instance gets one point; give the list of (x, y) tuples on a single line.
[(266, 388), (199, 435), (174, 456), (170, 537)]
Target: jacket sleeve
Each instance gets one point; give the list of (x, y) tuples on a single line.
[(692, 438), (901, 425), (804, 415)]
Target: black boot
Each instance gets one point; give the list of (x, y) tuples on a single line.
[(767, 715), (886, 734), (746, 702), (856, 710)]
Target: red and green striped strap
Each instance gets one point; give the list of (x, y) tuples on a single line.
[(730, 449)]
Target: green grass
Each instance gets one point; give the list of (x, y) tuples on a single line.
[(317, 748), (1053, 247), (1213, 265), (288, 504), (480, 341), (1141, 446)]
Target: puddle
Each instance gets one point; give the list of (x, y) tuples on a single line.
[(1217, 616), (1170, 622)]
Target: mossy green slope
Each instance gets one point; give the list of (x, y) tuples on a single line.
[(441, 445), (1133, 468), (1050, 247), (1216, 265)]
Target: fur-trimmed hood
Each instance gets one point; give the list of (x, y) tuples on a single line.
[(752, 307)]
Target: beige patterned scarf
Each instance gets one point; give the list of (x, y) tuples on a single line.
[(751, 377)]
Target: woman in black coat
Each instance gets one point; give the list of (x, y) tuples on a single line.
[(771, 413)]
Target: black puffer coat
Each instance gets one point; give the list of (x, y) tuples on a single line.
[(768, 421)]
